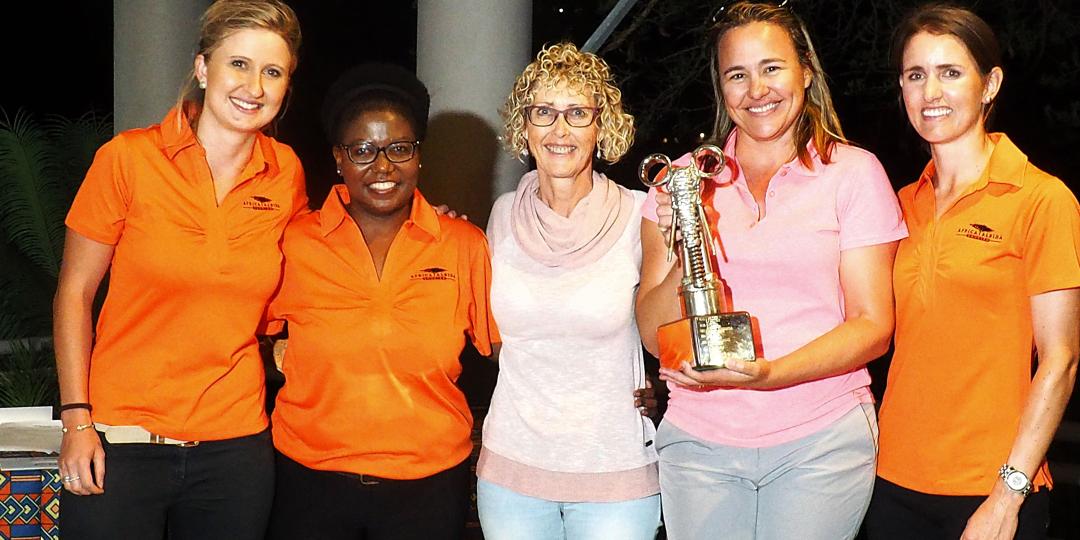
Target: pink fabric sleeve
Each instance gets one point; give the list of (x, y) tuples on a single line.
[(867, 208), (648, 208)]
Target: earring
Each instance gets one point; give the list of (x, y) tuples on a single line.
[(419, 165), (598, 152), (339, 171), (202, 84)]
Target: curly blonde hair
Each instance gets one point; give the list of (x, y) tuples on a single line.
[(582, 72)]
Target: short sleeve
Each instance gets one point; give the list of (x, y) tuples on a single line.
[(867, 209), (300, 198), (100, 208), (648, 208), (482, 329), (1052, 240)]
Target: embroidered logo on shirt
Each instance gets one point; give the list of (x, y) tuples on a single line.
[(258, 202), (434, 274), (980, 232)]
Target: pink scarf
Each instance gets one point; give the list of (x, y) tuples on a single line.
[(595, 223)]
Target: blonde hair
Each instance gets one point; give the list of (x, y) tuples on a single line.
[(818, 121), (224, 17), (582, 72)]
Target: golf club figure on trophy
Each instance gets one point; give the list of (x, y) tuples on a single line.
[(715, 336)]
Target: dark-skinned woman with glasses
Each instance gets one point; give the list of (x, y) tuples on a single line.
[(379, 294), (566, 452), (805, 231)]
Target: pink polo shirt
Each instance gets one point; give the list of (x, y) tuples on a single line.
[(785, 271)]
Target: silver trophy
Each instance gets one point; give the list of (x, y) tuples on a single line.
[(717, 337)]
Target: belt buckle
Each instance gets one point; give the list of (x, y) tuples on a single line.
[(158, 439), (368, 480)]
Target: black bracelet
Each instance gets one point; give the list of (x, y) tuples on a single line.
[(69, 406)]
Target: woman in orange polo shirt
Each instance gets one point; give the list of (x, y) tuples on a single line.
[(380, 293), (188, 217), (987, 284)]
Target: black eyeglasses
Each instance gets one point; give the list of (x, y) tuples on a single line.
[(544, 116), (722, 10), (365, 152)]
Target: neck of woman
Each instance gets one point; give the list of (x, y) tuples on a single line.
[(769, 153), (224, 148), (562, 194), (374, 226), (960, 163)]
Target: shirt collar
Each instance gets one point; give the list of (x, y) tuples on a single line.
[(1007, 166), (334, 212), (795, 163), (176, 135)]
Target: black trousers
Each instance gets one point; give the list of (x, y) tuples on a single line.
[(325, 505), (218, 489), (898, 513)]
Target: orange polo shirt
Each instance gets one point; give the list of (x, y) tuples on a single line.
[(175, 348), (962, 370), (371, 367)]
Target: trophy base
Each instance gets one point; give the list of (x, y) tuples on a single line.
[(707, 342)]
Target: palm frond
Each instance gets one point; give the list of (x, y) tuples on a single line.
[(76, 141), (31, 203), (28, 377)]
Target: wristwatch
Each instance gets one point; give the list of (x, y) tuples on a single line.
[(1015, 480)]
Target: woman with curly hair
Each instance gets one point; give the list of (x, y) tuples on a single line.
[(566, 455)]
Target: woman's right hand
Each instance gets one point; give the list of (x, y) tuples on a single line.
[(78, 451)]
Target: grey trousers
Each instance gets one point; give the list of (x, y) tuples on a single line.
[(816, 487)]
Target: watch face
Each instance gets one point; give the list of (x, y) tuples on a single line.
[(1016, 481)]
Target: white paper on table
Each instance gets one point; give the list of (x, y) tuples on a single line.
[(28, 429)]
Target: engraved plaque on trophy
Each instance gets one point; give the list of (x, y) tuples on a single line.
[(714, 337)]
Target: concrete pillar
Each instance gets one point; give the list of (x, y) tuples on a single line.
[(468, 53), (153, 50)]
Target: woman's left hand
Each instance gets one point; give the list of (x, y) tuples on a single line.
[(645, 400), (737, 374), (996, 518)]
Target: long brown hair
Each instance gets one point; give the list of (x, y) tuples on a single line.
[(818, 121)]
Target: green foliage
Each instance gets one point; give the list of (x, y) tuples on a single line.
[(28, 377), (31, 205), (41, 166)]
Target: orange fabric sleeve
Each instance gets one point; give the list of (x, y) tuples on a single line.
[(100, 208), (1052, 241)]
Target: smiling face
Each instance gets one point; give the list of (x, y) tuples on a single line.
[(762, 81), (561, 150), (381, 188), (944, 92), (246, 78)]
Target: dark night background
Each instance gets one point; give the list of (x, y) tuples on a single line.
[(59, 61)]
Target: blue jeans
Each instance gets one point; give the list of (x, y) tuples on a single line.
[(508, 515)]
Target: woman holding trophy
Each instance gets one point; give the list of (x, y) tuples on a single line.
[(806, 227), (566, 455)]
